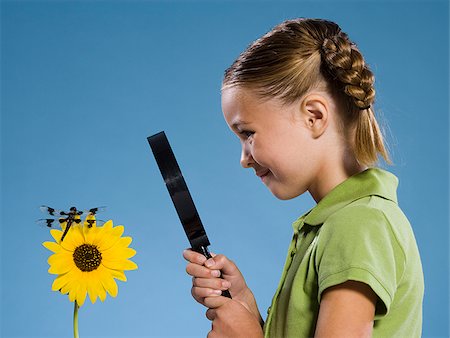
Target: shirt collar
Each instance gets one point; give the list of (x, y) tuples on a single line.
[(370, 182)]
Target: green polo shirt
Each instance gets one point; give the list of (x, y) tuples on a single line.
[(356, 232)]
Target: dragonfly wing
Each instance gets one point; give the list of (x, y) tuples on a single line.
[(48, 222), (90, 220), (94, 211), (48, 210)]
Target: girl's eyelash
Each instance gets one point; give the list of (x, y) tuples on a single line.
[(246, 133)]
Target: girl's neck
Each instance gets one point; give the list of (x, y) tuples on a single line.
[(333, 173)]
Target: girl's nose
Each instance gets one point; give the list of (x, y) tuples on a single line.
[(246, 157)]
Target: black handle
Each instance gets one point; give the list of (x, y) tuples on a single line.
[(205, 252)]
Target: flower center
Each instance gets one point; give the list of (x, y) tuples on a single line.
[(87, 257)]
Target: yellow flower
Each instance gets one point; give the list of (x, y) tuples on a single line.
[(88, 259)]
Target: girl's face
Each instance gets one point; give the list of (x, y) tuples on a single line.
[(275, 140)]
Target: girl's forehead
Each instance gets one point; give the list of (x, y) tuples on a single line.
[(241, 100), (238, 104), (241, 107), (233, 95)]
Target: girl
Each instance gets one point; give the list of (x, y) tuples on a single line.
[(300, 99)]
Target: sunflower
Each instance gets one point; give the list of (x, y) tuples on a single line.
[(88, 260)]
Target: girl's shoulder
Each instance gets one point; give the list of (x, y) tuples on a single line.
[(369, 218)]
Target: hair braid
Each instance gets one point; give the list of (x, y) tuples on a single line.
[(345, 67), (344, 63)]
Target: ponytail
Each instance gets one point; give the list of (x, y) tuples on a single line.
[(369, 139)]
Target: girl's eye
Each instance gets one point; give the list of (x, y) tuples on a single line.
[(246, 133)]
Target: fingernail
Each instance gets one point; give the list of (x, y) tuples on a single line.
[(226, 284), (217, 292), (215, 273), (209, 263)]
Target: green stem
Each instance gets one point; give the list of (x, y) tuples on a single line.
[(75, 320)]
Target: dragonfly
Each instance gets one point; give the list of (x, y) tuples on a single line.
[(67, 218)]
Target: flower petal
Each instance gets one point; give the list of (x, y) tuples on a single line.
[(118, 274), (108, 225), (114, 252), (64, 256), (119, 264), (109, 238), (102, 272), (60, 282), (92, 285), (60, 263), (52, 246), (76, 288), (123, 242), (73, 239), (90, 234), (56, 234), (74, 277), (110, 285), (73, 293), (82, 289)]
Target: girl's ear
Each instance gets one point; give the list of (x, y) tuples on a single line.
[(315, 113)]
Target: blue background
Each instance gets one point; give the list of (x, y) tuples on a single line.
[(84, 83)]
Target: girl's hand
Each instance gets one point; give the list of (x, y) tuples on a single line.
[(206, 281), (230, 318)]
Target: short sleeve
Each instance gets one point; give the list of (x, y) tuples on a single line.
[(357, 243)]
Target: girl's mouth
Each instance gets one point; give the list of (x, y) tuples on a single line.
[(263, 175)]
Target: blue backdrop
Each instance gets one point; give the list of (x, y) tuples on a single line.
[(84, 83)]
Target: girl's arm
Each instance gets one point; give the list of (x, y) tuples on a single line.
[(346, 310)]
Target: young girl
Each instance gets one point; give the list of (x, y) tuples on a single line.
[(300, 99)]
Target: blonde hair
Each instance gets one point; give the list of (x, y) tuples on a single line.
[(295, 57)]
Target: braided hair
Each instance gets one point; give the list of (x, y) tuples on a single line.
[(299, 55)]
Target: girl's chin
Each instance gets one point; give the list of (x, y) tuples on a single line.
[(285, 194)]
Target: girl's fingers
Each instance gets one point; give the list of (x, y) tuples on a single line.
[(212, 283), (194, 257), (215, 302), (199, 271), (216, 264), (221, 262), (211, 314), (201, 293)]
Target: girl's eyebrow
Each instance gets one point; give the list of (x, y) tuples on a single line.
[(238, 123)]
